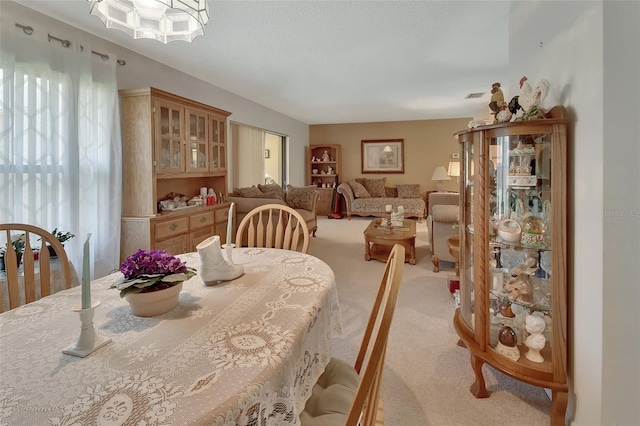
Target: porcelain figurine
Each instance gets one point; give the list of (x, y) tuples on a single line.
[(213, 266), (535, 325)]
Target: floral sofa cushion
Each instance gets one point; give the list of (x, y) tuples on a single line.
[(273, 189), (249, 191), (358, 189), (409, 191), (301, 197), (375, 187)]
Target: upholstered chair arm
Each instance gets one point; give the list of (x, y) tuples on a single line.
[(445, 213), (347, 193)]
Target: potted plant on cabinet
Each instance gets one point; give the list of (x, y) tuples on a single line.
[(18, 246), (152, 281), (60, 236)]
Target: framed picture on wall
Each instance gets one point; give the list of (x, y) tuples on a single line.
[(383, 156)]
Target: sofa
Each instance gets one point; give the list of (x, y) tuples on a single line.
[(442, 223), (369, 197), (302, 199)]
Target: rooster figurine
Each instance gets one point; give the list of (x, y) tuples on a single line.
[(531, 98)]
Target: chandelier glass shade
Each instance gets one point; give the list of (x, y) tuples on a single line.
[(162, 20)]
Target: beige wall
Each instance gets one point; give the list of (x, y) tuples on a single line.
[(427, 145)]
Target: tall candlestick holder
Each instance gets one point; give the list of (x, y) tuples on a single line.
[(89, 341), (389, 228)]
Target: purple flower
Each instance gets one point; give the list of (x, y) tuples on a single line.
[(151, 262)]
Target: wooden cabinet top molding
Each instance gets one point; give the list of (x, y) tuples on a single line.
[(157, 93)]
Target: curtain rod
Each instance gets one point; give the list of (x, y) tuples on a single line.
[(66, 43)]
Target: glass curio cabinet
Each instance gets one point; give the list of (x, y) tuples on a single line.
[(513, 253)]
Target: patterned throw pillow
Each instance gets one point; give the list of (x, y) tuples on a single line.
[(409, 191), (359, 190), (248, 192), (375, 187), (390, 192), (300, 197), (273, 189)]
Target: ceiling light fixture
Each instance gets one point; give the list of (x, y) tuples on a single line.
[(162, 20)]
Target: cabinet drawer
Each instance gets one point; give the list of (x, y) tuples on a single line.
[(200, 235), (200, 220), (170, 228), (222, 215), (175, 246)]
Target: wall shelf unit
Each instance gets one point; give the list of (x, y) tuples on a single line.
[(324, 173)]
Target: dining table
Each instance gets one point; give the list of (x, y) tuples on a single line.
[(240, 352)]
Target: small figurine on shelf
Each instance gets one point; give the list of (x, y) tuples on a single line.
[(519, 287), (504, 115), (507, 343), (535, 325), (325, 156), (530, 99), (397, 217), (497, 100)]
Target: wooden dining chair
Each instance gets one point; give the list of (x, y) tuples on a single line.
[(350, 396), (22, 289), (273, 226)]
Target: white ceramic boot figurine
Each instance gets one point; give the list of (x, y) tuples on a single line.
[(213, 266)]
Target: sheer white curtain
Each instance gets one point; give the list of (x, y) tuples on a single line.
[(248, 150), (60, 147)]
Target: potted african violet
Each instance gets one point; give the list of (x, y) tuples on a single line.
[(152, 281)]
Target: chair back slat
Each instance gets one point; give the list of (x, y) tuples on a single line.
[(32, 284), (285, 228), (29, 271), (271, 230)]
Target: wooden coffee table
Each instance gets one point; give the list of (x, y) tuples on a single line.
[(378, 244)]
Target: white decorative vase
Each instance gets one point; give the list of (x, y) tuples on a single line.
[(155, 302)]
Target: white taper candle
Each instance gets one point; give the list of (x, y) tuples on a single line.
[(229, 222), (86, 276)]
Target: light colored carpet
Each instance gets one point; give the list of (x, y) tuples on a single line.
[(427, 375)]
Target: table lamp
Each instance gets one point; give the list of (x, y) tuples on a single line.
[(440, 175)]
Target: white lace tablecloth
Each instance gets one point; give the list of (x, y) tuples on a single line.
[(244, 352)]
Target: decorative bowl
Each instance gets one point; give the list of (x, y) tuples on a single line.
[(509, 230)]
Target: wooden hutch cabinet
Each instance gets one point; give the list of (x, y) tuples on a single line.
[(170, 145), (513, 253), (324, 172)]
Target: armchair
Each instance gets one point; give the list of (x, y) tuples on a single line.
[(443, 215)]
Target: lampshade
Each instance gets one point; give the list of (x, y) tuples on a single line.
[(454, 168), (440, 174), (162, 20)]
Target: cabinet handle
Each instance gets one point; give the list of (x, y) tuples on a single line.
[(203, 219), (173, 226)]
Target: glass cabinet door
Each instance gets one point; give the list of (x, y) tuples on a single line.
[(197, 141), (520, 250), (170, 158), (467, 288), (218, 144)]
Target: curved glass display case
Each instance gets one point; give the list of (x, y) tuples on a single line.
[(513, 256)]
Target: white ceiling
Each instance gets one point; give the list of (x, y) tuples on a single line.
[(336, 61)]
